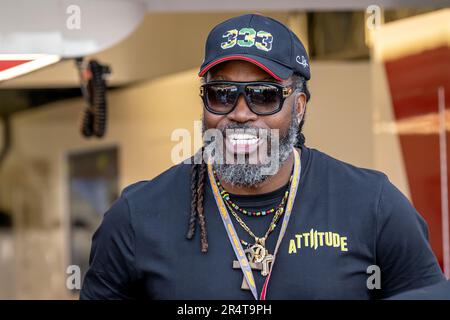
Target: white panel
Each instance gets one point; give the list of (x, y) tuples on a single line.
[(51, 26)]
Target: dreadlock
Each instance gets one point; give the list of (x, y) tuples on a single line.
[(199, 174)]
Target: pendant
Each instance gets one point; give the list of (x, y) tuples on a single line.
[(256, 253), (259, 259), (264, 266), (253, 266), (260, 256)]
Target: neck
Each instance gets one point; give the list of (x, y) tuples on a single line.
[(272, 183)]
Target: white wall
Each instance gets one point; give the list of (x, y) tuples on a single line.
[(339, 116)]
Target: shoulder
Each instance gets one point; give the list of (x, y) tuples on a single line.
[(167, 186), (366, 186), (358, 192), (348, 176), (177, 174)]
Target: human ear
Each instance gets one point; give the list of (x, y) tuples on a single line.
[(300, 104)]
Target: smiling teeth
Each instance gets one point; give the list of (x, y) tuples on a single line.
[(237, 139), (246, 141)]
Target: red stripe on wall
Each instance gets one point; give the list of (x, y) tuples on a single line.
[(7, 64), (413, 82)]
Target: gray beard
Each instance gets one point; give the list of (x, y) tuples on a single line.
[(249, 174)]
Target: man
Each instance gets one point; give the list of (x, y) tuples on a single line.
[(313, 228)]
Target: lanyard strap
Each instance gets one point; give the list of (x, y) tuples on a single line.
[(232, 235)]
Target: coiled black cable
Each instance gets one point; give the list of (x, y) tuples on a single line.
[(93, 86)]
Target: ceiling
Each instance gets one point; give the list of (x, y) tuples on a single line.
[(262, 5)]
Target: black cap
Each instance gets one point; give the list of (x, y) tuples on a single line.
[(261, 40)]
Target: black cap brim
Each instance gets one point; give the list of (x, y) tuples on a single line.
[(276, 70)]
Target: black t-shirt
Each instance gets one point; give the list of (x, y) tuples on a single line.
[(344, 220), (439, 291)]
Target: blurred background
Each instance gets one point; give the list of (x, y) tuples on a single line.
[(91, 91)]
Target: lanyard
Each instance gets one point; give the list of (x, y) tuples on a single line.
[(232, 235)]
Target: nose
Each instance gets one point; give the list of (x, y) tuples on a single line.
[(242, 112)]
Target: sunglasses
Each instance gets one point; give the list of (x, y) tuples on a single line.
[(263, 98)]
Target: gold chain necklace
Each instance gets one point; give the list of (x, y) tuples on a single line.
[(257, 252), (272, 225)]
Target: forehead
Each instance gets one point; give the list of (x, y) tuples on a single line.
[(237, 70)]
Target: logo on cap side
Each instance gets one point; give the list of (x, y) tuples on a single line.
[(302, 61), (247, 37)]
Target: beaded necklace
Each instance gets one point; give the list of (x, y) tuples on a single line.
[(226, 197)]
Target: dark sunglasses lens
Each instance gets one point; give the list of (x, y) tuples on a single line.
[(264, 98), (221, 97)]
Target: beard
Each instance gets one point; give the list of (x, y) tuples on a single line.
[(252, 174)]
